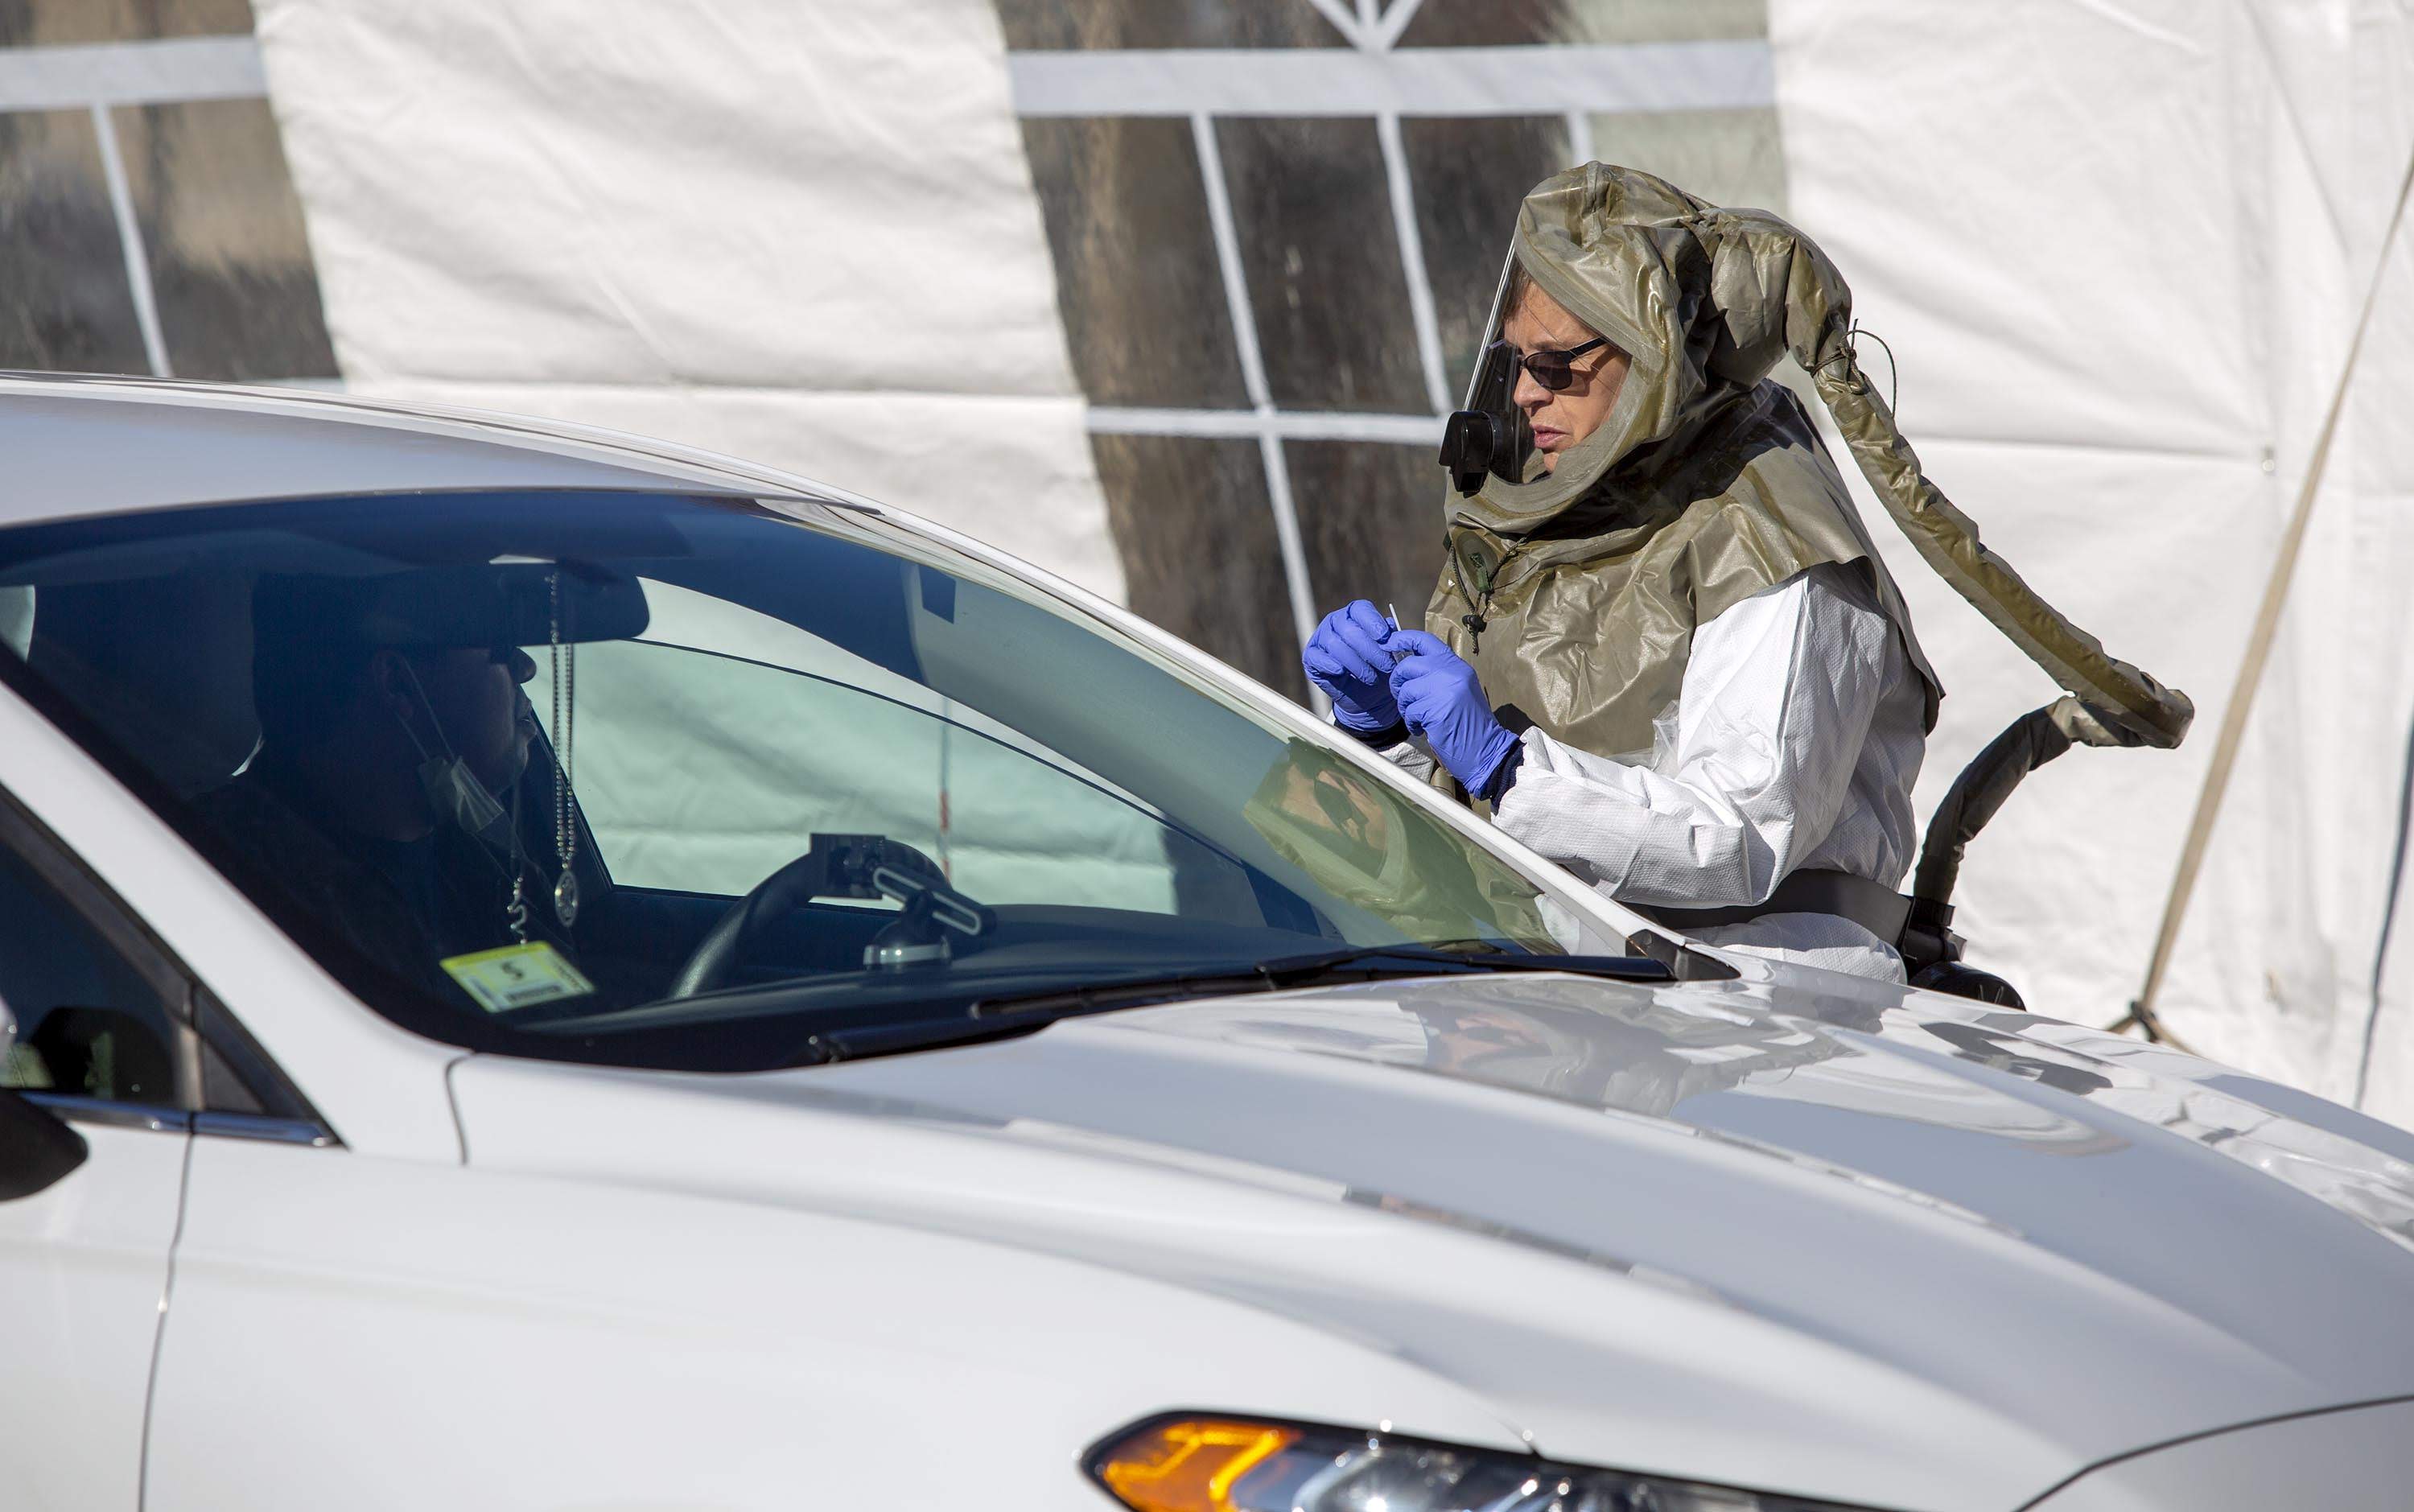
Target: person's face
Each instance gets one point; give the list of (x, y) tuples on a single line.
[(476, 696), (1560, 419)]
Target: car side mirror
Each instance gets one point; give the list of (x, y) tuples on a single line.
[(36, 1149), (103, 1052)]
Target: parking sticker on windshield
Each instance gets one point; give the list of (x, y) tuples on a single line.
[(516, 976)]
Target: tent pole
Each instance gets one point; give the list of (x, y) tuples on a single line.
[(2258, 653)]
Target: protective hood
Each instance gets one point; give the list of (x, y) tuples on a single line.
[(1616, 248), (1703, 447)]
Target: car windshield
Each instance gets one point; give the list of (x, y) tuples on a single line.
[(682, 781)]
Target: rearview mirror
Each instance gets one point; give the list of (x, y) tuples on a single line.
[(36, 1149), (480, 604)]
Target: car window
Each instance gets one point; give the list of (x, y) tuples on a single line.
[(671, 781), (774, 734), (88, 1024)]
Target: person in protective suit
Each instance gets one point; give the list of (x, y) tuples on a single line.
[(1663, 648)]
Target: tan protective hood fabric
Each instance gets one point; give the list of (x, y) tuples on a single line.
[(1708, 482)]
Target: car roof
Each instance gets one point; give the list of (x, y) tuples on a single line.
[(91, 445)]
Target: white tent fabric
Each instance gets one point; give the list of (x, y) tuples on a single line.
[(801, 233), (2118, 247)]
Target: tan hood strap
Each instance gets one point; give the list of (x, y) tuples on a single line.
[(2135, 708)]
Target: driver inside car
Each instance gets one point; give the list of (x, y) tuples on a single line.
[(395, 737)]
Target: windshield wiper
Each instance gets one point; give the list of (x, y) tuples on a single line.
[(1363, 963), (1010, 1013)]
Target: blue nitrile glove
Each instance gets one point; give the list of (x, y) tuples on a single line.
[(1348, 658), (1442, 700)]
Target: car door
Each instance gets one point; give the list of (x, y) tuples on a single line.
[(85, 1261), (117, 1039)]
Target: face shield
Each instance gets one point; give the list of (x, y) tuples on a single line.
[(1487, 436), (1500, 475)]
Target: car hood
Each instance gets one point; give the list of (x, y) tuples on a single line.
[(1733, 1229)]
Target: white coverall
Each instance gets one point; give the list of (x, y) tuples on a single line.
[(1797, 734)]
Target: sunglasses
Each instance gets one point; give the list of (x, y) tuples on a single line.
[(1555, 370)]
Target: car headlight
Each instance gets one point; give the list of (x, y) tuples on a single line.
[(1196, 1462)]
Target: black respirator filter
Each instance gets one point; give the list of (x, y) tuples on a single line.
[(1488, 438), (1487, 435)]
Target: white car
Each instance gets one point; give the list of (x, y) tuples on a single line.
[(946, 1044)]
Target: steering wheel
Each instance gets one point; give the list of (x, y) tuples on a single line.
[(843, 867)]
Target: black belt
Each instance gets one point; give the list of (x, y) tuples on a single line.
[(1874, 905)]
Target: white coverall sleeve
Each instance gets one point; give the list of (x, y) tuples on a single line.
[(1777, 699), (1411, 757)]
